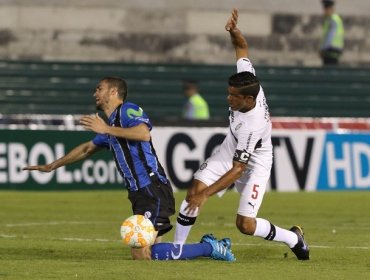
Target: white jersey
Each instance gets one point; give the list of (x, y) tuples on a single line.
[(248, 140), (249, 134)]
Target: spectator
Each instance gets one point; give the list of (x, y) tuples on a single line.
[(331, 46), (196, 108)]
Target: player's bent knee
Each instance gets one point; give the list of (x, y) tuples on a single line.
[(246, 225)]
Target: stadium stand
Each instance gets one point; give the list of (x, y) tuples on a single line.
[(28, 87)]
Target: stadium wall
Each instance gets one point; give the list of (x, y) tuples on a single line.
[(280, 32), (304, 160)]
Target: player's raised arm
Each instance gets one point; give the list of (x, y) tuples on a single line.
[(237, 39), (80, 152)]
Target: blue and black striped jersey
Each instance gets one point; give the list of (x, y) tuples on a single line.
[(136, 161)]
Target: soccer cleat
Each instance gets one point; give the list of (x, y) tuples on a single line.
[(219, 250), (226, 242), (207, 238), (301, 249)]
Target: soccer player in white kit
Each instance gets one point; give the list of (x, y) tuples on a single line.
[(244, 158)]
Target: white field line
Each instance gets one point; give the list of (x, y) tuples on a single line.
[(51, 223), (60, 239), (76, 239), (232, 225), (311, 246)]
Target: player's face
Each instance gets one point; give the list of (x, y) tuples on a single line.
[(239, 102), (101, 95)]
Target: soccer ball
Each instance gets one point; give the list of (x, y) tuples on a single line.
[(137, 232)]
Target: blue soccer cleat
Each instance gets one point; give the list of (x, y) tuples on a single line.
[(220, 249), (224, 241), (207, 238)]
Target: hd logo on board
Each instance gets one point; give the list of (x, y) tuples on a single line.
[(345, 162)]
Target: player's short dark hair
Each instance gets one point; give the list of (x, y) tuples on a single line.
[(119, 83), (246, 83)]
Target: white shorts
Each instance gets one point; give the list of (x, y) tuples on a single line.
[(251, 185)]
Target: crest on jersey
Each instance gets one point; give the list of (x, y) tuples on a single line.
[(203, 166), (147, 214), (238, 126)]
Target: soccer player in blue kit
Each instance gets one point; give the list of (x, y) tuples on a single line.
[(127, 136)]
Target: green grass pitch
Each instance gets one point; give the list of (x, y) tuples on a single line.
[(75, 235)]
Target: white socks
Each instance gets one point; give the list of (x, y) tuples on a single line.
[(271, 232), (184, 223), (264, 229)]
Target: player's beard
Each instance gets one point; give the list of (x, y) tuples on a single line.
[(99, 106)]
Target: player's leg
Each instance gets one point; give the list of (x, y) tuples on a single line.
[(171, 251), (248, 223), (208, 173), (157, 203), (207, 248), (184, 220), (265, 229), (251, 196)]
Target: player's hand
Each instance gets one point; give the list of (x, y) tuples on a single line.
[(195, 201), (232, 21), (94, 123), (42, 168)]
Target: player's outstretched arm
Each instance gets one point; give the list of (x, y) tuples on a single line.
[(80, 152), (237, 39)]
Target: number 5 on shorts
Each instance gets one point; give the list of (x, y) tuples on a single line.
[(255, 191)]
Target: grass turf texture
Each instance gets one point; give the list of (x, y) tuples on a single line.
[(75, 235)]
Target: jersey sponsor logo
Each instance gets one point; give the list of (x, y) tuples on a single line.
[(132, 113), (176, 255)]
